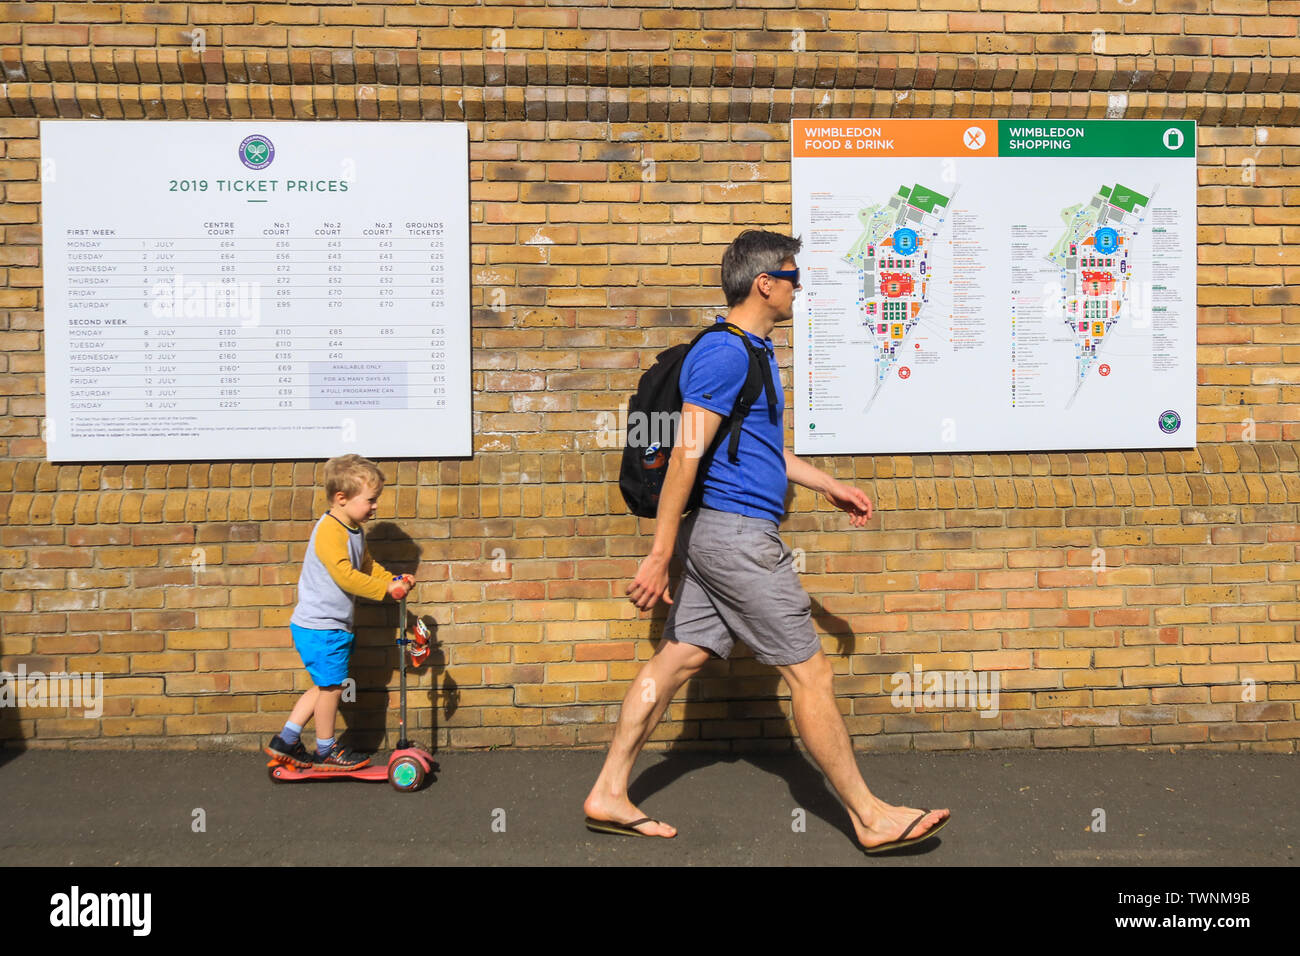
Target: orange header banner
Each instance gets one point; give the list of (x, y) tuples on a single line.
[(894, 137)]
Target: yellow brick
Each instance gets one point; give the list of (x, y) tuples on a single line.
[(564, 673)]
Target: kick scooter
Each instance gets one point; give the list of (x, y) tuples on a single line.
[(407, 767)]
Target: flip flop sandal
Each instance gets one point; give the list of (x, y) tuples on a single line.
[(620, 829), (902, 841)]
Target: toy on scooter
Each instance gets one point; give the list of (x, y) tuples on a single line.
[(407, 767)]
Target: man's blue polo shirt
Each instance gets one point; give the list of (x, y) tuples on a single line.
[(712, 376)]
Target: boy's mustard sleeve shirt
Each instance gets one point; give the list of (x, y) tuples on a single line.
[(370, 581)]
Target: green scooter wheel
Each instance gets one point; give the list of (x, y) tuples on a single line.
[(406, 774)]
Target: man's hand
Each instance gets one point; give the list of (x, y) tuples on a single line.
[(698, 426), (849, 499), (842, 496), (650, 583)]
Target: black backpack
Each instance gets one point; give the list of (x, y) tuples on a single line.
[(654, 417)]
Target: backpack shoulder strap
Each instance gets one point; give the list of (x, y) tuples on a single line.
[(758, 358), (715, 327), (758, 381)]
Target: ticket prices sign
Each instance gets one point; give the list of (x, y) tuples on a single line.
[(246, 290)]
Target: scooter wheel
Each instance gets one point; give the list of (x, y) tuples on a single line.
[(274, 773), (406, 774)]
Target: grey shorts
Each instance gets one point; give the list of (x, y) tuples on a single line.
[(739, 582)]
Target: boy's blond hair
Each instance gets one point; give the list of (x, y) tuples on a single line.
[(351, 474)]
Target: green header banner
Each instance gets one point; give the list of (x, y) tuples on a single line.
[(1040, 138)]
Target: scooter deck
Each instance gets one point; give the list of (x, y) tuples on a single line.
[(287, 773)]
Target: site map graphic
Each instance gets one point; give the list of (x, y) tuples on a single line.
[(892, 256), (1096, 269)]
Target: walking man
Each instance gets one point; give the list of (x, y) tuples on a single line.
[(739, 579)]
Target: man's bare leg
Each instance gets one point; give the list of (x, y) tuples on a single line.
[(823, 732), (644, 705)]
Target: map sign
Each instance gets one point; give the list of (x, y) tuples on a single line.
[(994, 285)]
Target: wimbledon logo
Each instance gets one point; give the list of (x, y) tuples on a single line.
[(1169, 422), (256, 151)]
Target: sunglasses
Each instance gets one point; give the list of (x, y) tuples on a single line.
[(791, 274)]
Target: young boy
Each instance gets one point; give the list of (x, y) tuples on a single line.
[(337, 567)]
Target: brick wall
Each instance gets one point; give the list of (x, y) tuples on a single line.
[(176, 581)]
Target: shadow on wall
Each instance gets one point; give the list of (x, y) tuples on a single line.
[(14, 708), (11, 740)]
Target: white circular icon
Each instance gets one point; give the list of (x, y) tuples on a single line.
[(973, 137), (1173, 138)]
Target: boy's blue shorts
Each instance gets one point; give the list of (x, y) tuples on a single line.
[(324, 653)]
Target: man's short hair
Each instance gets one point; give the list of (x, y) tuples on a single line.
[(750, 254), (350, 474)]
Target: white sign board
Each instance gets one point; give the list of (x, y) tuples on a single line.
[(994, 285), (251, 290)]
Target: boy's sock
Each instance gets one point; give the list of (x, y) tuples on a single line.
[(323, 746), (291, 732)]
